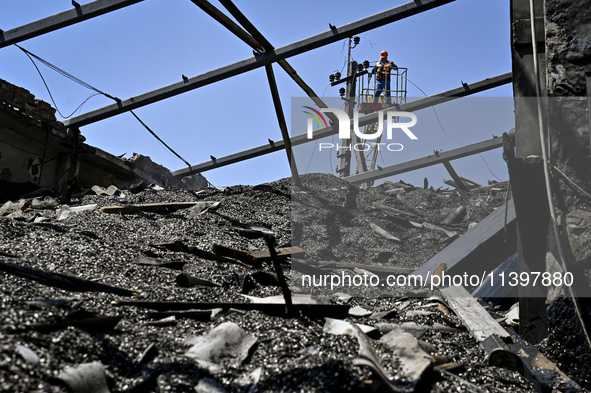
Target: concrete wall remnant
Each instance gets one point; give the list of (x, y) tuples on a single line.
[(36, 148), (568, 58)]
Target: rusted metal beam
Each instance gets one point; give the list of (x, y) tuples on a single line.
[(63, 19), (260, 60)]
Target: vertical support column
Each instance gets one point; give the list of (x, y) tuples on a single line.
[(361, 164), (282, 124), (527, 176), (588, 75), (345, 153), (71, 175)]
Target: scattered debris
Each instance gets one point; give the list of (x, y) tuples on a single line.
[(227, 342), (414, 328), (186, 280), (338, 326), (454, 216), (198, 315), (147, 261), (476, 319), (110, 191), (384, 233), (61, 281), (28, 354), (415, 362), (367, 357), (164, 208), (65, 210), (138, 341), (209, 385), (85, 378)]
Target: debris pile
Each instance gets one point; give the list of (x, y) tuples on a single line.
[(164, 289)]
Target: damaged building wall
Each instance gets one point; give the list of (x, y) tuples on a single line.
[(27, 127), (568, 59), (35, 147)]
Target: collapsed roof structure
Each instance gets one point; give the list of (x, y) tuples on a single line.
[(545, 64)]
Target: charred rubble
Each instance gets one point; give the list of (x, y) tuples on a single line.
[(125, 336)]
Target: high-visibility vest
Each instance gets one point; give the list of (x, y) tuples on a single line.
[(383, 70)]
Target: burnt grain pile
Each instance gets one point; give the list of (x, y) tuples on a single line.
[(170, 315)]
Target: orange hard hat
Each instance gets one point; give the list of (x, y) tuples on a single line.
[(384, 54)]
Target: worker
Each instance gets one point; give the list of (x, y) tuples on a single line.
[(383, 68)]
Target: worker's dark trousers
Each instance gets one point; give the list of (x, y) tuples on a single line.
[(383, 84)]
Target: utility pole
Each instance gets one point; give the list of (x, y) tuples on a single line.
[(344, 153)]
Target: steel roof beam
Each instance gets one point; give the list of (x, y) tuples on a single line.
[(255, 44), (267, 46), (228, 23), (424, 162), (63, 19), (245, 22), (465, 90), (260, 60)]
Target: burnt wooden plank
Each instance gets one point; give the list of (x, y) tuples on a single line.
[(282, 253), (256, 257), (157, 262), (311, 310), (229, 252), (62, 281), (476, 319), (167, 207)]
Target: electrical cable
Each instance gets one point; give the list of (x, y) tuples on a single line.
[(160, 140), (549, 193), (18, 148), (446, 134), (30, 55), (34, 154), (47, 87), (66, 74)]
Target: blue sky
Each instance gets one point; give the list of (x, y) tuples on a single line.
[(151, 44)]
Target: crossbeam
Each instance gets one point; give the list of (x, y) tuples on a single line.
[(227, 23), (63, 19), (426, 161), (259, 60), (465, 90)]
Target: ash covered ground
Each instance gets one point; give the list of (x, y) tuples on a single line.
[(45, 340)]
